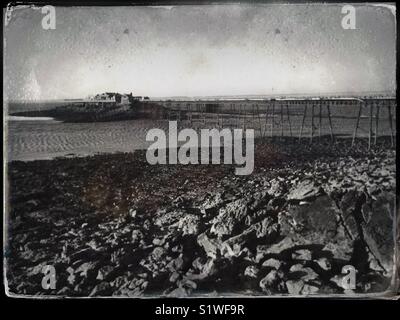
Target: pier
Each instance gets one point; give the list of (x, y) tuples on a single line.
[(308, 119)]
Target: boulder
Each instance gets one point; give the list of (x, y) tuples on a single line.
[(104, 272), (379, 230), (304, 190), (277, 188), (299, 272), (294, 287), (251, 271), (272, 263), (302, 254), (266, 229), (101, 289), (166, 219), (230, 218), (189, 224), (211, 246), (272, 283), (316, 224), (348, 205)]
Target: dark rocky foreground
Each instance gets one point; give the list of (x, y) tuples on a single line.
[(114, 225)]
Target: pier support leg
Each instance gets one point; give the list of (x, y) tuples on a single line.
[(376, 124), (312, 123), (302, 122), (288, 119), (320, 120), (259, 121), (281, 120), (266, 119), (330, 122), (391, 124), (272, 119), (371, 110), (357, 123)]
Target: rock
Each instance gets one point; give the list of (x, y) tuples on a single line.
[(159, 242), (71, 277), (156, 261), (318, 218), (267, 229), (374, 283), (132, 213), (38, 269), (302, 254), (189, 224), (63, 292), (272, 283), (147, 225), (265, 251), (176, 264), (235, 246), (348, 206), (210, 269), (101, 289), (86, 269), (210, 246), (207, 270), (294, 287), (300, 272), (198, 263), (174, 277), (169, 218), (339, 280), (137, 236), (316, 224), (272, 263), (179, 293), (132, 288), (87, 253), (212, 201), (378, 231), (324, 263), (230, 218), (158, 253), (138, 284), (277, 188), (374, 263), (366, 212), (304, 190), (187, 284), (309, 289), (251, 271), (177, 248), (259, 198), (104, 272)]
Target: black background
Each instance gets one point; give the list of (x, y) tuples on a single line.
[(255, 308)]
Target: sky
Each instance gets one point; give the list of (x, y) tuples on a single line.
[(205, 50)]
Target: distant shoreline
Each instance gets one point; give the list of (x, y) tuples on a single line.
[(95, 112)]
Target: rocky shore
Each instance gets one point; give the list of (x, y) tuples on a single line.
[(115, 225)]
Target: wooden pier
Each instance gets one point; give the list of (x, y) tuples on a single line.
[(302, 118)]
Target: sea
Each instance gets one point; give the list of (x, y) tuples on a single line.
[(38, 138)]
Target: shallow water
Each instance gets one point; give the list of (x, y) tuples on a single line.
[(30, 140), (44, 138)]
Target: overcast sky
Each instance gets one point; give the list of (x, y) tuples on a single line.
[(199, 51)]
